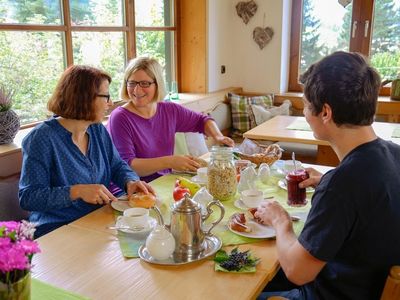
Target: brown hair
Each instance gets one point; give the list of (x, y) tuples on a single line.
[(346, 82), (75, 93)]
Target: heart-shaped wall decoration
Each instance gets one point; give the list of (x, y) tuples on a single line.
[(246, 10), (262, 36)]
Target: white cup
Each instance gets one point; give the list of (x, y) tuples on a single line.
[(202, 173), (288, 166), (252, 198), (136, 217)]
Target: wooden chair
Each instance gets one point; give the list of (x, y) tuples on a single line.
[(391, 291)]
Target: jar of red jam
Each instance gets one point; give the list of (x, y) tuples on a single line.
[(296, 195)]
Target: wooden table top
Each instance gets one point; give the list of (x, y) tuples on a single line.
[(275, 129), (85, 257), (89, 262)]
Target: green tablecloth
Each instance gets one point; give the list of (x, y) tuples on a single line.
[(41, 291), (299, 125), (129, 243), (164, 187)]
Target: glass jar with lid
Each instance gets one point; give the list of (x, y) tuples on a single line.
[(222, 183)]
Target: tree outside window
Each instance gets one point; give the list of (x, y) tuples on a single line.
[(371, 27), (40, 38)]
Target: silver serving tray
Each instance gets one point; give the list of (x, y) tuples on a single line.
[(211, 245)]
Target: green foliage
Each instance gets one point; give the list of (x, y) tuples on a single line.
[(386, 34), (5, 99), (30, 66), (31, 62), (29, 11), (385, 49), (387, 64), (310, 50)]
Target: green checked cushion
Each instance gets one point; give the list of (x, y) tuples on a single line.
[(242, 115)]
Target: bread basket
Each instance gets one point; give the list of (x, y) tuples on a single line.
[(270, 155)]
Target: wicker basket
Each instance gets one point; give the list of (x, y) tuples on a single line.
[(270, 155)]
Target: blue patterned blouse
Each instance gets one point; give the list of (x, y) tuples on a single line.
[(52, 163)]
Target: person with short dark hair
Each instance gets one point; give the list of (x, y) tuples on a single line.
[(351, 235), (143, 129), (69, 160)]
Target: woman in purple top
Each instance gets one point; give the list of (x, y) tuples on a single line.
[(143, 130)]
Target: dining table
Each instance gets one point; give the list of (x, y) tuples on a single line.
[(295, 129), (85, 256)]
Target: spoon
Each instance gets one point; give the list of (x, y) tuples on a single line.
[(294, 161), (295, 218)]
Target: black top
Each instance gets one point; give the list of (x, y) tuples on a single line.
[(354, 223)]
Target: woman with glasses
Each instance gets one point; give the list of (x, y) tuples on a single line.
[(70, 160), (143, 130)]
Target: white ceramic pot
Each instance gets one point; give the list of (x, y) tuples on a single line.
[(160, 243)]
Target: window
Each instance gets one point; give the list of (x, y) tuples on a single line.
[(40, 38), (371, 27)]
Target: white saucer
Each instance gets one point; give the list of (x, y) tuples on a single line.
[(282, 185), (151, 224), (120, 205), (198, 180)]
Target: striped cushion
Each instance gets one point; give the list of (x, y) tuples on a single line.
[(242, 115)]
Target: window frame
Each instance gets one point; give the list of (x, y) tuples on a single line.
[(362, 12), (128, 29)]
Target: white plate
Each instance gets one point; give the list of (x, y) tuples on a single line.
[(122, 203), (152, 222), (196, 179), (258, 231), (282, 185)]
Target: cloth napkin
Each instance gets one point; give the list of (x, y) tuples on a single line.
[(130, 243), (41, 290), (299, 125)]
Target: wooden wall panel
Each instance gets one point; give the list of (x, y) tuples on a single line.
[(192, 46)]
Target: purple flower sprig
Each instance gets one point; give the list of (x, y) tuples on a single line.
[(17, 248)]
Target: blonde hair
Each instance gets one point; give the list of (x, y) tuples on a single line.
[(152, 68)]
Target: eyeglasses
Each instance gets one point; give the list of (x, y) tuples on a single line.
[(143, 84), (104, 96)]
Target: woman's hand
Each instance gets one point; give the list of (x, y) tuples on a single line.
[(313, 179), (92, 193), (224, 140), (211, 129), (271, 213), (139, 186), (184, 163)]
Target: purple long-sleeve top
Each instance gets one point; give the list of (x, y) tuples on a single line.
[(137, 137)]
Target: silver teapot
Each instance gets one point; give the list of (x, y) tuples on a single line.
[(186, 227)]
